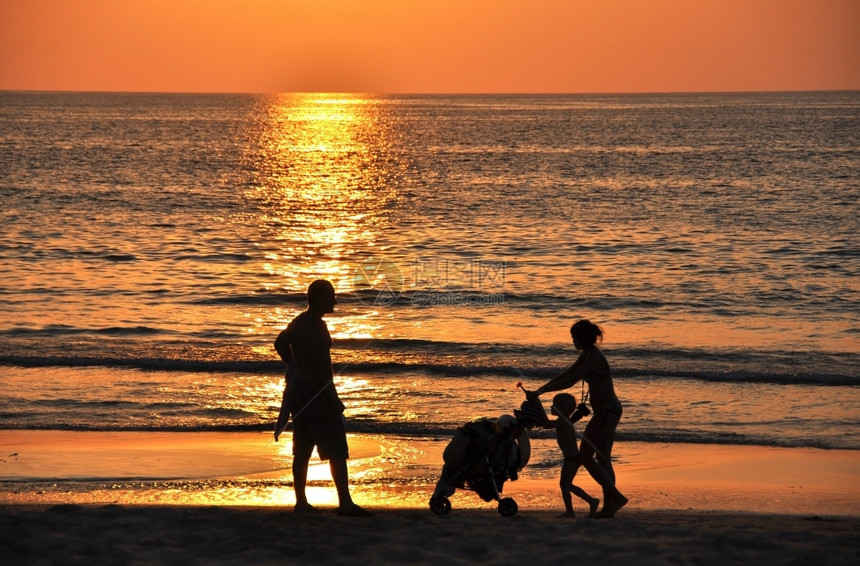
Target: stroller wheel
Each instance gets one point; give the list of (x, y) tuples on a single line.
[(440, 505), (508, 507)]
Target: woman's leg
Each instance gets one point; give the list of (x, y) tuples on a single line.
[(599, 433), (605, 441), (595, 470)]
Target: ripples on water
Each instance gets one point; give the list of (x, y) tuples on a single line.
[(714, 236)]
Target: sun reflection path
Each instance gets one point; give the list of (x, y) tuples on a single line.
[(320, 172)]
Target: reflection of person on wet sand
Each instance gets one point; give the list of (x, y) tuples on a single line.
[(596, 447), (310, 396)]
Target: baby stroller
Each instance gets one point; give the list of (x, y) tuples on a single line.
[(481, 457)]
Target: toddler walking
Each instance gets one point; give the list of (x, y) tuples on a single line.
[(565, 408)]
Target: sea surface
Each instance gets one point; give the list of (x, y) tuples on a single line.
[(153, 245)]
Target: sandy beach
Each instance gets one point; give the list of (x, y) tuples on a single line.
[(690, 504), (112, 534)]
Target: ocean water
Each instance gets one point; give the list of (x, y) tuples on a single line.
[(153, 245)]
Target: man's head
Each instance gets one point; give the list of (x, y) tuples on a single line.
[(321, 296)]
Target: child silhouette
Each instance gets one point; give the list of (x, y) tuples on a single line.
[(565, 408)]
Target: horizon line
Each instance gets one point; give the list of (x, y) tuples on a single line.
[(470, 93)]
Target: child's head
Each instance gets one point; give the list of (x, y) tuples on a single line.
[(505, 421), (585, 333), (563, 404)]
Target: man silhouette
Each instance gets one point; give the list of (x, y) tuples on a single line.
[(310, 396)]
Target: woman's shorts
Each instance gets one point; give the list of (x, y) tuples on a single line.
[(326, 432)]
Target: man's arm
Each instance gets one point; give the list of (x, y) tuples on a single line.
[(282, 345)]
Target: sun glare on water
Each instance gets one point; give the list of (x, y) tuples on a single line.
[(319, 176)]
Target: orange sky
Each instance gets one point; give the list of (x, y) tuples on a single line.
[(427, 46)]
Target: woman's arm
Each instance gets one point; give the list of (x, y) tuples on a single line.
[(583, 365), (562, 381)]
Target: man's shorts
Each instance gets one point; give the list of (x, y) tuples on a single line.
[(326, 432)]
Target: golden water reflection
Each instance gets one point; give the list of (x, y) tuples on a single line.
[(320, 169)]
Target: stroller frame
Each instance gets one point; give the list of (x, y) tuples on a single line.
[(441, 505), (479, 474)]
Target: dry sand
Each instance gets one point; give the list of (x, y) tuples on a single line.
[(113, 534), (689, 505)]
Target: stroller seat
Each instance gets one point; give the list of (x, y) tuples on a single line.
[(481, 457)]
